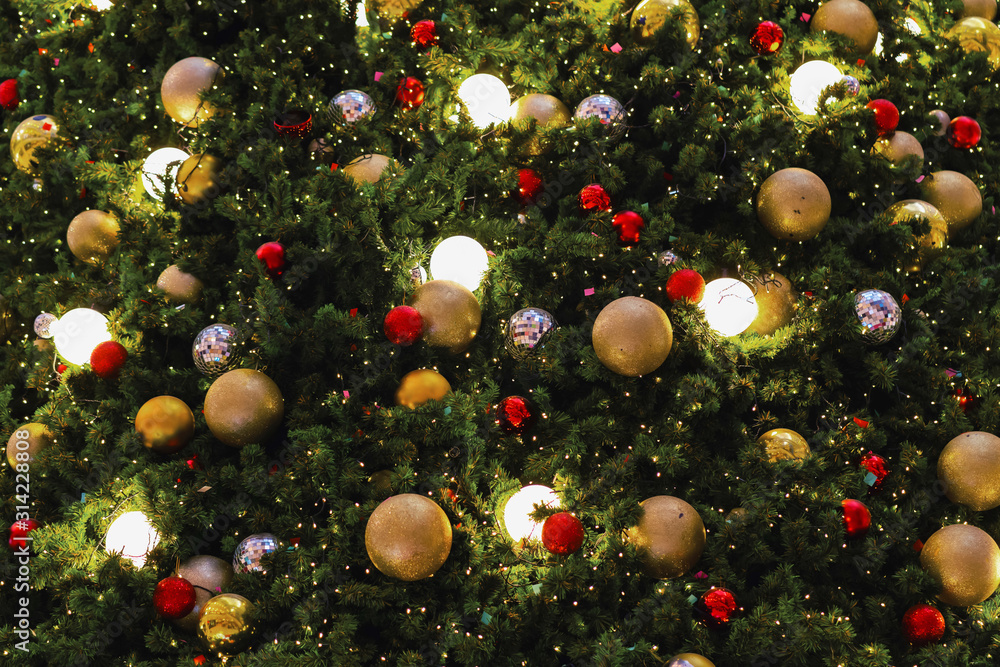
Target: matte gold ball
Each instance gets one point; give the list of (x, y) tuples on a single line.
[(965, 561), (775, 302), (178, 286), (226, 623), (408, 537), (984, 9), (166, 424), (92, 236), (651, 15), (903, 152), (29, 441), (955, 195), (30, 135), (209, 576), (450, 312), (939, 121), (931, 244), (690, 660), (784, 444), (419, 386), (969, 466), (367, 168), (974, 34), (793, 204), (183, 86), (549, 111), (243, 407), (198, 178), (850, 18), (669, 537), (632, 336)]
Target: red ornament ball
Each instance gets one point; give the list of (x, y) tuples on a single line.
[(529, 186), (923, 624), (886, 116), (875, 465), (562, 533), (966, 399), (107, 359), (424, 34), (594, 198), (174, 597), (767, 38), (403, 325), (857, 518), (19, 530), (60, 368), (717, 607), (410, 93), (628, 224), (272, 256), (685, 284), (9, 98), (515, 415), (964, 132)]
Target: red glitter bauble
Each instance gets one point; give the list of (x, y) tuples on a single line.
[(174, 597), (685, 284), (964, 132), (410, 93), (717, 607), (403, 325), (562, 533), (886, 116), (424, 34), (19, 530), (107, 359), (529, 186), (629, 224), (593, 198), (966, 399), (857, 518), (8, 95), (923, 624), (767, 38), (875, 464), (272, 256), (515, 415)]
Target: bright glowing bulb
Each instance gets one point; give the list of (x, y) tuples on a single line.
[(133, 536), (911, 25), (729, 306), (517, 512), (808, 82), (362, 21), (100, 5), (159, 171), (461, 259), (486, 98), (77, 333)]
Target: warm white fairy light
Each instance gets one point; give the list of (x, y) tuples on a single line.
[(486, 98), (159, 171), (517, 512), (808, 82), (461, 259), (132, 536), (77, 333), (729, 306)]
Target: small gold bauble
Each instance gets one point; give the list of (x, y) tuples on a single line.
[(977, 34), (32, 133), (243, 406), (775, 302), (965, 561), (33, 438), (931, 244), (955, 196), (321, 151), (381, 483), (940, 121), (367, 168), (166, 424), (450, 312), (690, 660), (850, 18), (984, 9), (92, 236), (182, 87), (632, 336), (903, 152), (547, 110), (793, 204), (209, 576), (391, 10), (408, 537), (179, 287), (651, 15), (198, 177), (226, 623), (669, 537), (784, 444), (419, 386), (969, 466)]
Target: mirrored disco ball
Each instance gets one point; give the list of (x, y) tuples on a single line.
[(527, 330), (216, 349), (879, 315), (352, 105)]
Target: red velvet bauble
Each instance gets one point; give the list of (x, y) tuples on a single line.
[(9, 98), (685, 284), (410, 93), (424, 34), (19, 530), (875, 465), (717, 607), (923, 624), (403, 325), (272, 256), (593, 198), (857, 518), (515, 415), (562, 533), (886, 116), (174, 597), (767, 38), (107, 359), (529, 186), (628, 224), (964, 132)]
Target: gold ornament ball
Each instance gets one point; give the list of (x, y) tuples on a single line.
[(549, 111), (381, 483), (166, 424), (182, 87), (198, 178), (244, 406), (226, 623), (33, 438), (931, 244), (669, 537), (690, 660), (367, 168), (955, 196), (775, 302), (651, 15), (178, 286), (984, 9), (965, 562), (209, 576), (92, 236), (850, 18), (903, 152), (632, 336), (969, 466), (408, 537), (32, 133), (793, 204), (419, 386), (390, 10), (940, 121), (977, 34), (784, 444), (450, 312)]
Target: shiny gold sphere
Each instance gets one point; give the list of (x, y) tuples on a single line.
[(198, 178), (549, 111), (183, 86), (450, 312), (243, 407), (784, 444), (391, 10), (166, 424), (632, 336), (209, 576), (903, 152), (408, 537), (367, 168), (651, 15), (969, 466), (690, 660), (984, 9), (419, 386), (965, 561), (29, 440), (226, 623), (977, 34), (32, 133), (669, 537), (775, 302), (956, 196), (793, 204), (179, 287), (850, 18), (92, 236), (931, 244)]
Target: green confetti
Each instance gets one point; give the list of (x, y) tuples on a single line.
[(486, 618), (692, 599), (671, 239), (870, 479), (644, 206), (536, 589), (447, 410)]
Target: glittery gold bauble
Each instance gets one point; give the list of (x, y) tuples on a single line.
[(381, 483), (419, 386), (669, 537), (969, 466), (197, 178), (775, 302), (549, 111), (33, 133), (984, 9), (934, 241), (450, 312), (182, 87), (651, 15), (32, 438), (391, 10), (632, 336), (92, 236), (209, 576), (243, 406), (178, 286), (850, 18), (784, 444), (367, 168), (965, 561), (165, 423), (793, 204), (690, 660), (955, 195), (408, 537), (903, 152), (226, 624), (977, 34)]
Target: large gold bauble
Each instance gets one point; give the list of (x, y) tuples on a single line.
[(775, 298), (166, 424), (793, 204), (969, 467), (549, 111), (651, 15), (243, 406), (784, 444), (178, 286), (955, 196), (226, 624), (92, 236), (977, 34), (965, 561), (32, 133), (198, 178), (209, 576), (450, 312), (33, 439), (931, 244), (632, 336), (690, 660), (669, 537), (419, 386), (367, 168), (984, 9), (408, 537), (182, 87), (903, 152), (850, 18)]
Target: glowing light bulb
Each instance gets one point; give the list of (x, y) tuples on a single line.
[(77, 333), (461, 259), (486, 98), (729, 306), (159, 171), (517, 512), (808, 82), (101, 5), (133, 536)]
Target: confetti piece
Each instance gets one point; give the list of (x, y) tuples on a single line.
[(918, 545), (644, 206), (56, 62), (334, 166), (677, 94), (90, 47), (444, 17), (594, 234), (616, 47), (589, 291), (347, 394), (951, 372), (486, 618), (354, 312), (870, 479), (664, 146), (905, 299), (993, 209), (42, 52), (671, 239), (860, 422), (920, 178), (700, 575), (805, 17), (83, 497), (447, 410), (200, 660), (378, 75), (692, 599), (536, 589), (204, 489), (491, 253), (295, 542)]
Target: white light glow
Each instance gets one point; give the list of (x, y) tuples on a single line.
[(486, 98), (159, 171), (77, 333), (517, 512), (729, 306), (101, 5), (808, 82), (133, 536), (461, 259)]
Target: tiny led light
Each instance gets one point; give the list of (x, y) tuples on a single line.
[(729, 306), (461, 259), (808, 82), (517, 512), (486, 98), (159, 171), (133, 536), (78, 332)]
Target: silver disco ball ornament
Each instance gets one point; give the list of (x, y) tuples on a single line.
[(251, 550), (607, 109), (216, 349), (42, 324), (667, 257), (527, 330), (352, 105), (878, 314)]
